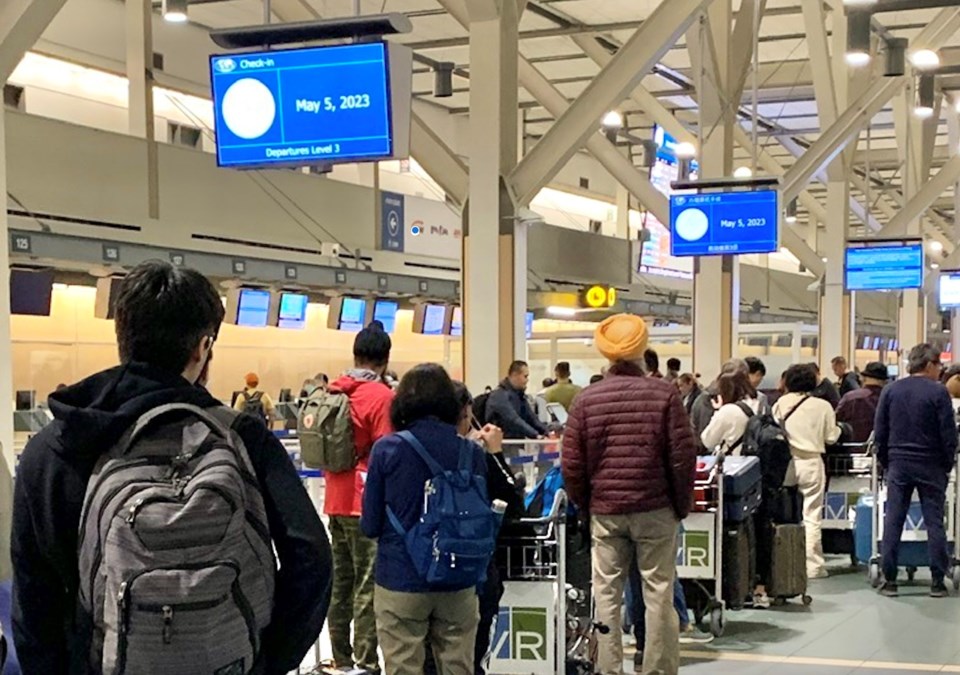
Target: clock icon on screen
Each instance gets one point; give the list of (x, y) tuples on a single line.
[(248, 108), (692, 224)]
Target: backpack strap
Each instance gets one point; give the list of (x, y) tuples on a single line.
[(747, 410), (749, 413), (783, 422), (167, 410), (431, 463)]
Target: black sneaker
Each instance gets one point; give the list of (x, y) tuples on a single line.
[(939, 590), (638, 661), (889, 589)]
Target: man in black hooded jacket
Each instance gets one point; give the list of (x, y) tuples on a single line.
[(167, 320)]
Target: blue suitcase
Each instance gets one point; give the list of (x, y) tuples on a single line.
[(742, 488)]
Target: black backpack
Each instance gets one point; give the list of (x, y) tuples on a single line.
[(253, 405), (766, 439), (480, 408)]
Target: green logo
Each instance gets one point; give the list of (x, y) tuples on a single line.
[(521, 634), (694, 549)]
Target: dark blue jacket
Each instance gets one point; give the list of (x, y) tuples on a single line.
[(396, 478), (508, 409), (915, 421)]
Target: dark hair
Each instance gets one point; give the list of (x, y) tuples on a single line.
[(516, 367), (735, 387), (814, 366), (596, 378), (922, 356), (755, 365), (838, 361), (372, 346), (162, 314), (949, 373), (687, 378), (562, 370), (548, 382), (425, 391), (652, 360), (463, 398), (800, 379), (673, 364)]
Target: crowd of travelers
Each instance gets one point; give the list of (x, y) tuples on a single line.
[(157, 530)]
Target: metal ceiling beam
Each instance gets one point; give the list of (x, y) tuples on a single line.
[(614, 83), (439, 161), (582, 29), (925, 197), (741, 60), (889, 212), (291, 11), (832, 141), (643, 98), (22, 22), (611, 157)]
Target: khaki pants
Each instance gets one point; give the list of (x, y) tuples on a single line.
[(652, 539), (404, 620), (352, 598), (809, 475)]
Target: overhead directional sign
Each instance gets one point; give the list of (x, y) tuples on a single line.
[(724, 223)]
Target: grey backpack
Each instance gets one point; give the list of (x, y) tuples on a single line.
[(176, 561), (325, 430)]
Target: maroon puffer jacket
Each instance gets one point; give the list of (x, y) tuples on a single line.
[(628, 446)]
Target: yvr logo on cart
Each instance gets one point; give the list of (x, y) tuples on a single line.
[(521, 634), (694, 549)]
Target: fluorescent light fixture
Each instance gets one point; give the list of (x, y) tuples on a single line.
[(568, 312), (743, 172), (858, 38), (791, 215), (685, 151), (612, 120), (926, 91), (175, 11), (925, 59)]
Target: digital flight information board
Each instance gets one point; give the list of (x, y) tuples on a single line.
[(884, 266), (724, 223), (317, 105)]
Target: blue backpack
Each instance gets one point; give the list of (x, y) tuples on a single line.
[(539, 501), (452, 543)]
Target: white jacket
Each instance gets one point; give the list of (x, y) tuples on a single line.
[(728, 425), (812, 427)]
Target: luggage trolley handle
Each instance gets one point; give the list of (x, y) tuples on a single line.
[(875, 478)]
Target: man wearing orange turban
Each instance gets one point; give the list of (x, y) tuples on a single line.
[(629, 459)]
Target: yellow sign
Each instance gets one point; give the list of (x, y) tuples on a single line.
[(598, 297)]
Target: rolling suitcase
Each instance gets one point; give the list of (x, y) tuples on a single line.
[(788, 573), (739, 563)]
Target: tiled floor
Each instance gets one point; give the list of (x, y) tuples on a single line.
[(847, 629)]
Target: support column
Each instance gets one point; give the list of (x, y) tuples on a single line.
[(9, 456), (494, 265), (623, 212), (140, 78), (836, 306), (911, 323), (716, 279)]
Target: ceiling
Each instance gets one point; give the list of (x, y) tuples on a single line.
[(786, 103)]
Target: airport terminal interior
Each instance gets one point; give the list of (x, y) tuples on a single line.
[(492, 179)]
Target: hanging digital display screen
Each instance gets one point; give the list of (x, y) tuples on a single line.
[(724, 223), (296, 107), (950, 289), (887, 266), (385, 311)]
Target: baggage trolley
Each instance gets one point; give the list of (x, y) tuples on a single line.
[(531, 631), (700, 555), (848, 478), (914, 531)]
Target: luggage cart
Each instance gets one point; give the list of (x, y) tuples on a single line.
[(531, 630), (532, 458), (848, 478), (916, 534), (700, 556)]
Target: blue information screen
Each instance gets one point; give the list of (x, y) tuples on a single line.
[(293, 310), (302, 106), (352, 312), (434, 317), (254, 308), (884, 268), (456, 322), (724, 223), (385, 311)]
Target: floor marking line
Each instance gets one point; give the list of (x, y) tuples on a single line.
[(816, 661)]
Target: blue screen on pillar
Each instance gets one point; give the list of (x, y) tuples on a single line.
[(724, 223), (303, 106), (884, 267)]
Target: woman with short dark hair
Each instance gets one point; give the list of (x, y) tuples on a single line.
[(408, 608)]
